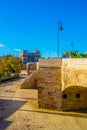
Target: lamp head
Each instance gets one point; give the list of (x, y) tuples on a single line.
[(61, 28)]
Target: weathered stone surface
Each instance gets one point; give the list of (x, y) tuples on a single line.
[(74, 81), (49, 62), (73, 101), (49, 84), (30, 81), (62, 83), (57, 79), (50, 74), (31, 67)]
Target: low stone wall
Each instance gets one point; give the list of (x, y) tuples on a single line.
[(30, 82), (31, 67)]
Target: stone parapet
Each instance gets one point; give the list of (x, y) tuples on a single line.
[(50, 62)]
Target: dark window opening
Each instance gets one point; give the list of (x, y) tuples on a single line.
[(77, 95), (64, 96)]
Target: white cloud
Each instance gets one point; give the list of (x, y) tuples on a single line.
[(1, 45), (17, 49)]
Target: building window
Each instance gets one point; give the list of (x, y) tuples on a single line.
[(77, 95), (64, 96)]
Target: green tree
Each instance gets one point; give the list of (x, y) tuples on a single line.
[(15, 65), (83, 55), (74, 54), (10, 64)]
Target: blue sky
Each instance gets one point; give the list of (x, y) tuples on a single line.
[(32, 24)]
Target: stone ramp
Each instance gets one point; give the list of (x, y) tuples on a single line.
[(30, 82)]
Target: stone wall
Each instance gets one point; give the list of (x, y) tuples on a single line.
[(31, 67), (30, 82), (62, 84), (49, 84), (74, 84)]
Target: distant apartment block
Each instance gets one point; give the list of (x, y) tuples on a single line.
[(65, 55), (30, 56)]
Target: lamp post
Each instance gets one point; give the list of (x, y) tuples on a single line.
[(60, 28), (72, 46)]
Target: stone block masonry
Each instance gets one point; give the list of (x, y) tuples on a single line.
[(74, 84), (49, 84), (62, 84)]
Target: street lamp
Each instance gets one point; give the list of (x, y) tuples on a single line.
[(60, 28)]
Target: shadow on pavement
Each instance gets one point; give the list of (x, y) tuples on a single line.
[(4, 124), (7, 108)]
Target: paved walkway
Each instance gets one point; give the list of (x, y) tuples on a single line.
[(19, 111)]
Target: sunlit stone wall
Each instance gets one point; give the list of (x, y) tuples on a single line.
[(62, 84), (74, 84), (49, 84)]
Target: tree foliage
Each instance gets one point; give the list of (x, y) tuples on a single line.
[(75, 54), (83, 55), (10, 64)]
